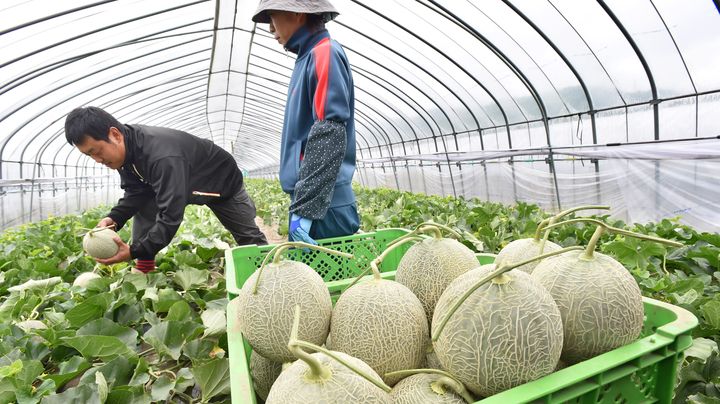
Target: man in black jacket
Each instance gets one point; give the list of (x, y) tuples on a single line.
[(161, 171)]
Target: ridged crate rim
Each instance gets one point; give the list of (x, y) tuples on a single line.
[(242, 389), (231, 280)]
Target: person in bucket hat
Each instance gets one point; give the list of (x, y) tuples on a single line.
[(317, 152), (319, 7)]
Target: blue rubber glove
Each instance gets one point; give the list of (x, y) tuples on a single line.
[(300, 229)]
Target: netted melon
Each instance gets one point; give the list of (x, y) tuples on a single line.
[(326, 377), (264, 372), (84, 279), (429, 388), (100, 243), (527, 248), (523, 249), (382, 323), (431, 359), (343, 386), (599, 301), (430, 265), (265, 308), (496, 329)]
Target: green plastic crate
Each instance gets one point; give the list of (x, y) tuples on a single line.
[(241, 262), (641, 372)]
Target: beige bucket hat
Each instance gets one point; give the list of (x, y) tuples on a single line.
[(322, 7)]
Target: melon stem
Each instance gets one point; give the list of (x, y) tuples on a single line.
[(433, 230), (424, 227), (427, 227), (606, 227), (97, 229), (496, 272), (545, 236), (593, 242), (374, 268), (562, 214), (542, 224), (455, 386), (320, 371), (377, 261), (279, 249), (445, 380)]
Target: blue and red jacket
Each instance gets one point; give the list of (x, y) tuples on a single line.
[(317, 152)]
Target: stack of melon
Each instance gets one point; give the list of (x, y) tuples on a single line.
[(490, 328)]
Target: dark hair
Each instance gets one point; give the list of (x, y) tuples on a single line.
[(89, 121), (315, 22)]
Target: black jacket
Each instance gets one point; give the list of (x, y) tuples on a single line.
[(164, 166)]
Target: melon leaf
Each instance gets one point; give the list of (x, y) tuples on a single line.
[(69, 369), (103, 326), (86, 393), (92, 308), (168, 337), (161, 388), (190, 278), (699, 377), (711, 312), (634, 253), (213, 378), (180, 311), (99, 346)]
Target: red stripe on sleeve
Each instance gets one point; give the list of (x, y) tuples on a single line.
[(322, 67)]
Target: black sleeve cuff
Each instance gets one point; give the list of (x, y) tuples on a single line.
[(119, 223), (319, 170)]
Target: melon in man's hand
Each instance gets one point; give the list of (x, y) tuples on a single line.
[(100, 244)]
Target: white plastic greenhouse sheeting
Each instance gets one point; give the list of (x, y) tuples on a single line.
[(641, 183), (18, 206), (459, 86)]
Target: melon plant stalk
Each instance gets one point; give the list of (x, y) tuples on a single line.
[(438, 383), (276, 254), (599, 301), (490, 276), (525, 248)]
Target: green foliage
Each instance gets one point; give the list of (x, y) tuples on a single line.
[(125, 338), (699, 381)]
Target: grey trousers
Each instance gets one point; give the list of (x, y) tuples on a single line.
[(237, 214)]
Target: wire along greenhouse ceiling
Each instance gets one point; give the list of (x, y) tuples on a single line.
[(554, 102)]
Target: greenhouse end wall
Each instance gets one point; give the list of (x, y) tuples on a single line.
[(637, 190)]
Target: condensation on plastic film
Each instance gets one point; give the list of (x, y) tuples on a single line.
[(15, 205), (642, 183)]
